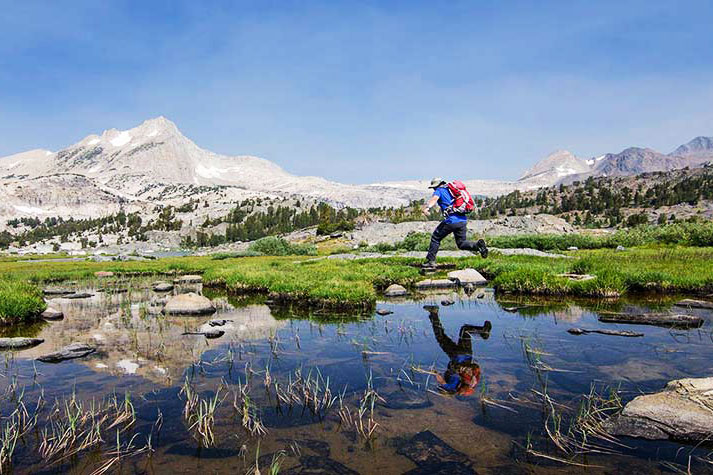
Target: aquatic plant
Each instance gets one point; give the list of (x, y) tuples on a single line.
[(20, 302)]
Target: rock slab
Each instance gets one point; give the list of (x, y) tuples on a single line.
[(395, 290), (189, 304), (682, 411), (69, 352), (188, 279), (52, 314), (17, 343), (467, 277), (435, 284), (162, 286), (695, 304)]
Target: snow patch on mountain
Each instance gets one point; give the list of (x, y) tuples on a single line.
[(122, 139)]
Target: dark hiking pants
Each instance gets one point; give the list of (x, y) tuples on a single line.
[(443, 230)]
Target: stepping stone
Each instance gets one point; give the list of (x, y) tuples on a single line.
[(395, 290), (18, 343), (57, 291), (383, 312), (467, 276), (52, 314), (218, 323), (188, 279), (69, 352), (207, 333), (435, 284), (447, 302), (189, 304), (162, 286)]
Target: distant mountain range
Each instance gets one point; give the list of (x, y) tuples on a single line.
[(155, 164)]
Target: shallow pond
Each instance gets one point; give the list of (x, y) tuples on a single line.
[(321, 393)]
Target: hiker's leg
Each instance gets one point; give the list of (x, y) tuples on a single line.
[(467, 332), (441, 231), (460, 233), (447, 345)]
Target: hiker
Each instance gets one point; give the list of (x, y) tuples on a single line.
[(454, 220), (462, 373)]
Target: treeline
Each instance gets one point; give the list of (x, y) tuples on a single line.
[(599, 202)]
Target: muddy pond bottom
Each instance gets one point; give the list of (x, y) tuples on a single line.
[(477, 386)]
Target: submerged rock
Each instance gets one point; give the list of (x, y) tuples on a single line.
[(315, 464), (682, 411), (69, 352), (395, 290), (189, 304), (17, 343), (691, 303), (430, 453), (435, 284), (467, 276), (52, 314), (188, 279)]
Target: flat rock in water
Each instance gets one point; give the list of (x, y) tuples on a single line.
[(17, 343), (188, 279), (57, 291), (218, 322), (427, 450), (658, 319), (189, 304), (435, 284), (691, 303), (78, 295), (69, 352), (162, 286), (682, 411), (52, 314), (603, 331), (447, 302), (467, 277), (212, 333), (383, 312), (395, 290)]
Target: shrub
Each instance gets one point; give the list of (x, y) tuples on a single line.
[(275, 246)]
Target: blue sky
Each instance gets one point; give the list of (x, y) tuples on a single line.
[(363, 91)]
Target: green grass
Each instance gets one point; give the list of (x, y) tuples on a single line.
[(20, 302), (337, 283)]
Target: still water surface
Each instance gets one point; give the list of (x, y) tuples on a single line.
[(307, 375)]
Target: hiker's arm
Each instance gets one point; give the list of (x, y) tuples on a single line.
[(430, 204)]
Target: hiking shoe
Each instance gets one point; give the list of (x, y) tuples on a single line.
[(482, 248), (428, 265)]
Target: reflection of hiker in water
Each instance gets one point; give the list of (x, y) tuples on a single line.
[(462, 373)]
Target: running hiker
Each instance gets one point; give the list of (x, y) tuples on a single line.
[(453, 222)]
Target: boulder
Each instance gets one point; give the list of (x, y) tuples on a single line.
[(682, 411), (467, 276), (189, 304), (162, 286), (103, 273), (52, 314), (188, 279), (69, 352), (435, 284), (395, 290), (17, 343), (691, 303)]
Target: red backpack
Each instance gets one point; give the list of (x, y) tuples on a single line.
[(462, 201)]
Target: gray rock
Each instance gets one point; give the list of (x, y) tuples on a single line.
[(467, 277), (162, 286), (78, 295), (189, 304), (528, 252), (573, 248), (218, 323), (69, 352), (188, 279), (435, 284), (447, 302), (52, 314), (620, 248), (17, 343), (682, 411), (212, 333), (383, 312), (57, 291), (395, 290)]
